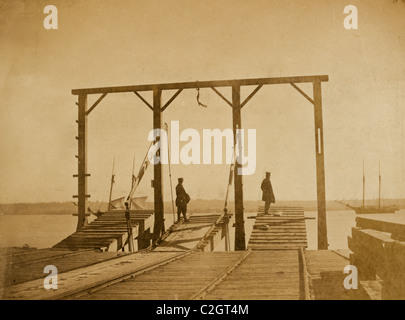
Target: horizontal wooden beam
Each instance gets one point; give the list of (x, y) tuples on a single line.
[(203, 84), (396, 229)]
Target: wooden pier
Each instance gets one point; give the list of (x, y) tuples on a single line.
[(282, 229), (379, 254), (109, 232), (75, 257), (271, 270), (275, 266), (199, 231)]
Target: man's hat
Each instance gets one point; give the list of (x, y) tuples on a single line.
[(267, 173), (180, 179)]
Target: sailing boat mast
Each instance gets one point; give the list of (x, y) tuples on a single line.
[(364, 183), (379, 185)]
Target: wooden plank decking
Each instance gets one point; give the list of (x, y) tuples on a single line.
[(178, 280), (188, 234), (108, 232), (274, 267), (326, 276), (23, 267), (283, 229), (263, 275), (77, 280), (272, 270)]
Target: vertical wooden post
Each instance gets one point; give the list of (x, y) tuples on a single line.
[(82, 162), (159, 226), (320, 168), (227, 242), (239, 219), (129, 228)]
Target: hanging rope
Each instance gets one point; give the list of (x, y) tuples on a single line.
[(198, 99)]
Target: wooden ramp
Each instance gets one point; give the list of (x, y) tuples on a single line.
[(20, 267), (189, 235), (109, 231), (282, 229), (86, 277)]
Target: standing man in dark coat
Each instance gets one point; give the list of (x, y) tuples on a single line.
[(268, 195), (182, 198)]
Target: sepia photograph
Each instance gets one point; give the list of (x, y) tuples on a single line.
[(221, 151)]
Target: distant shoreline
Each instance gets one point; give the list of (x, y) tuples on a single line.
[(196, 206)]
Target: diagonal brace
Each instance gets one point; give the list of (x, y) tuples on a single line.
[(171, 99), (96, 103), (220, 94), (143, 100), (251, 95), (302, 92)]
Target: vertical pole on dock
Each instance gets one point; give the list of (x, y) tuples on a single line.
[(82, 162), (129, 228), (320, 167), (159, 227), (239, 219)]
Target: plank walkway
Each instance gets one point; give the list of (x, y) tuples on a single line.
[(189, 234), (263, 275), (108, 232), (178, 280), (272, 271), (283, 229)]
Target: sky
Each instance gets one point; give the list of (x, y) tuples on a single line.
[(114, 43)]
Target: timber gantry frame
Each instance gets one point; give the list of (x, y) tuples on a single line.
[(236, 104)]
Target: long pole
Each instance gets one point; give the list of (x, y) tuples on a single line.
[(141, 173), (379, 185), (231, 171), (226, 219), (82, 162), (240, 243), (320, 168), (170, 174), (129, 228), (111, 186), (133, 181), (159, 224), (364, 184)]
